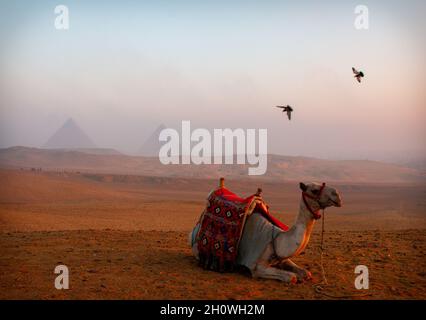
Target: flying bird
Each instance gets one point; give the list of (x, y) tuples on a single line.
[(287, 109), (358, 74)]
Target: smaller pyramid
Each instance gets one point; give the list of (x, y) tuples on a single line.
[(152, 145), (69, 136)]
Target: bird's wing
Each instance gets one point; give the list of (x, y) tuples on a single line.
[(359, 79), (289, 115), (355, 70), (280, 107)]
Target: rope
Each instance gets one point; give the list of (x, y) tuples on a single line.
[(319, 287)]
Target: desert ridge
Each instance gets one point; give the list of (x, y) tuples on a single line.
[(287, 168)]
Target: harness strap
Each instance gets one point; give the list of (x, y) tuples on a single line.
[(305, 195)]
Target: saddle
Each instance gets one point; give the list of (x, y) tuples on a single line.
[(222, 224)]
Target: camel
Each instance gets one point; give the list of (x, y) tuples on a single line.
[(266, 250)]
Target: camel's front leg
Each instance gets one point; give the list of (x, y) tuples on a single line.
[(267, 272), (302, 274)]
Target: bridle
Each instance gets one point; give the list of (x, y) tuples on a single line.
[(316, 214)]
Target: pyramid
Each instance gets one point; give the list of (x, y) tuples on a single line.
[(152, 145), (69, 136)]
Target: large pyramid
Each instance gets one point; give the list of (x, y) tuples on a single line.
[(69, 136), (152, 145)]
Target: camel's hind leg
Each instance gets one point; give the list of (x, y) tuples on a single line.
[(302, 274), (267, 272)]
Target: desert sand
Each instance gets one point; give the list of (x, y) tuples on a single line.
[(125, 237)]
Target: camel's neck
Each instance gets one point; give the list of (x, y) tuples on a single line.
[(294, 241)]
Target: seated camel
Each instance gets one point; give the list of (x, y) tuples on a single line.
[(266, 250)]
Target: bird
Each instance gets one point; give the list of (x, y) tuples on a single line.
[(358, 74), (287, 109)]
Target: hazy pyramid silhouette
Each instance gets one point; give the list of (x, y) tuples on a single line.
[(69, 136), (152, 145)]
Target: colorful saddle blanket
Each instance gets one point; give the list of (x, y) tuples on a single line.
[(221, 227)]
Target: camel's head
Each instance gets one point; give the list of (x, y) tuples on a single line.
[(325, 196)]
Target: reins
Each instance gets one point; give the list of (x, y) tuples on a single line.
[(319, 287)]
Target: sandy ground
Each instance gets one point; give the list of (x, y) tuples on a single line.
[(125, 237)]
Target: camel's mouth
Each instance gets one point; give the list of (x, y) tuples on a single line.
[(336, 203)]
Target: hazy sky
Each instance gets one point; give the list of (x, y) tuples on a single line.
[(124, 67)]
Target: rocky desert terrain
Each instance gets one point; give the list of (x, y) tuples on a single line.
[(125, 237)]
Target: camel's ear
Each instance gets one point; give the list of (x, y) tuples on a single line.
[(303, 186)]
